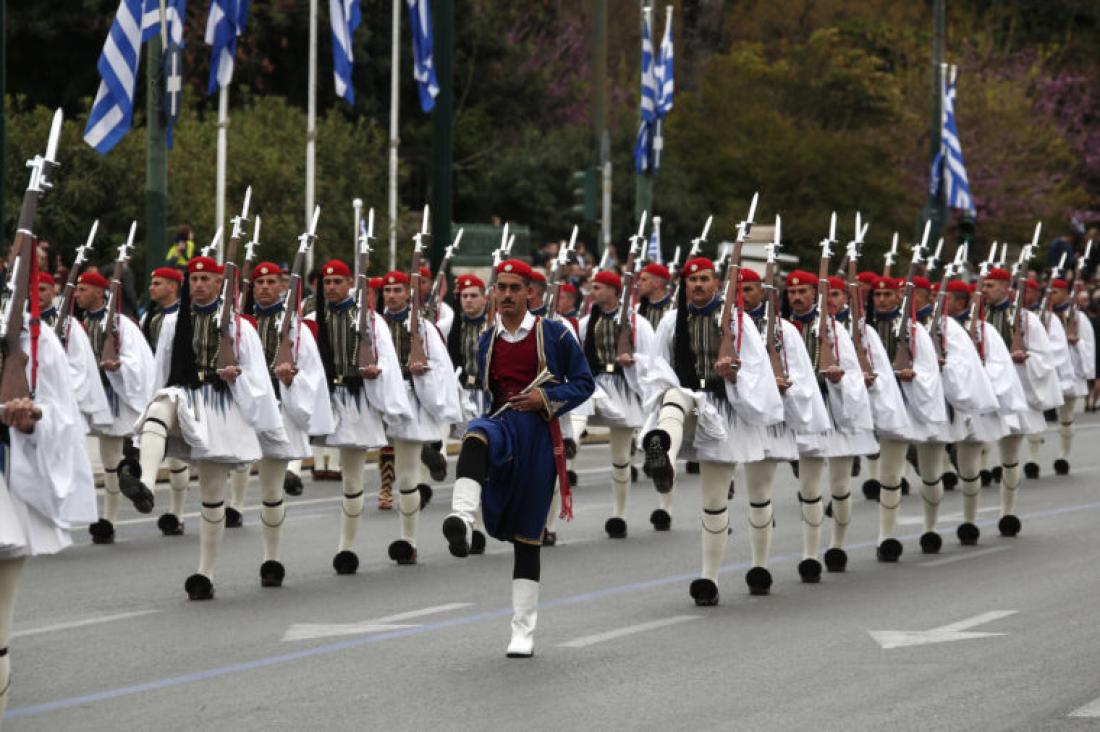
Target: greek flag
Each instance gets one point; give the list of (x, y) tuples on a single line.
[(653, 249), (643, 147), (224, 23), (174, 13), (345, 17), (948, 168), (420, 21), (113, 107), (663, 70)]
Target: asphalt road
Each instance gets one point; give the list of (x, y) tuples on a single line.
[(1002, 636)]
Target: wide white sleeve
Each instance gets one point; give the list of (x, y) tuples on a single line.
[(306, 400), (1039, 372), (1067, 375), (437, 389), (1086, 347), (849, 400), (925, 391), (387, 393), (1002, 372), (163, 357), (133, 381), (637, 376), (446, 320), (87, 385), (887, 403), (803, 407), (252, 389), (660, 376), (965, 383), (755, 395)]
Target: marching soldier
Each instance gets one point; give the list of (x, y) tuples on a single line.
[(1082, 345), (445, 316), (1067, 374), (536, 301), (569, 306), (654, 293)]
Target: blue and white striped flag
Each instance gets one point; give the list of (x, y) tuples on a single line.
[(948, 168), (653, 249), (345, 17), (663, 69), (643, 146), (420, 22), (175, 12), (224, 23), (113, 108)]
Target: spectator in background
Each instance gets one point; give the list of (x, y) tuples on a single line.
[(183, 249), (1062, 245), (1093, 311), (545, 254)]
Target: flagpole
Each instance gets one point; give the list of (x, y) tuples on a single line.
[(643, 181), (156, 153), (395, 82), (223, 128), (311, 125)]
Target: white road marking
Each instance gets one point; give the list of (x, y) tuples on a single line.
[(1092, 709), (81, 623), (589, 640), (943, 634), (943, 519), (311, 631), (961, 557)]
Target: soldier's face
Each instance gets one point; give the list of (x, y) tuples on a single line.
[(512, 294), (801, 298), (1031, 296), (266, 290), (838, 300), (1058, 296), (702, 287), (567, 301), (920, 297), (204, 287), (336, 288), (163, 291), (605, 296), (753, 294), (45, 295), (957, 303), (88, 297), (472, 300), (536, 293), (995, 291), (651, 286), (395, 297), (885, 300)]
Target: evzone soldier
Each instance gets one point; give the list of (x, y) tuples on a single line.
[(919, 378), (1037, 303), (462, 345), (445, 317), (998, 366), (839, 380), (298, 377), (569, 306), (1082, 345), (1030, 349), (432, 391), (365, 390), (713, 409), (654, 293), (126, 371), (164, 299), (619, 374), (511, 459), (536, 301), (208, 414)]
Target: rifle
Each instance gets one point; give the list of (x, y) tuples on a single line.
[(976, 303), (696, 246), (431, 309), (227, 355), (903, 357), (890, 257), (826, 342), (553, 285), (605, 259), (1019, 276), (1046, 306), (499, 256), (416, 343), (246, 269), (284, 353), (626, 312), (111, 325), (13, 377), (855, 302), (773, 334), (936, 331), (1074, 286), (727, 347), (61, 328)]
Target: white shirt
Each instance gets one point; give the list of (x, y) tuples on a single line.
[(525, 327)]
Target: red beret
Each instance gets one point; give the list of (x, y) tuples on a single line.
[(657, 270), (698, 264), (566, 287), (425, 273), (1033, 284), (801, 277), (95, 279), (609, 278), (537, 276), (921, 283), (999, 273), (516, 267), (45, 278), (866, 278), (836, 283), (469, 280), (335, 268), (888, 283), (397, 277), (1059, 284), (748, 275), (958, 286), (168, 273), (264, 269), (202, 263), (375, 283)]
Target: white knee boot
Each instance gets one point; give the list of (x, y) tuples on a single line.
[(525, 613)]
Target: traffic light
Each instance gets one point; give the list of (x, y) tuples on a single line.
[(586, 193)]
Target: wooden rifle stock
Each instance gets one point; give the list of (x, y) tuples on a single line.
[(13, 378), (416, 344), (855, 315), (727, 348), (366, 355), (227, 354), (826, 358), (111, 324), (285, 353), (626, 320)]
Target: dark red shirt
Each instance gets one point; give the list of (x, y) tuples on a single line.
[(513, 367)]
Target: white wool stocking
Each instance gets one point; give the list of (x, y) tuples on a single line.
[(407, 467), (621, 440), (891, 468), (110, 452), (351, 505), (238, 484), (160, 419), (930, 468), (840, 494), (179, 476), (273, 512), (759, 477), (1065, 427), (716, 479), (9, 579), (1010, 481), (969, 455), (212, 480)]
